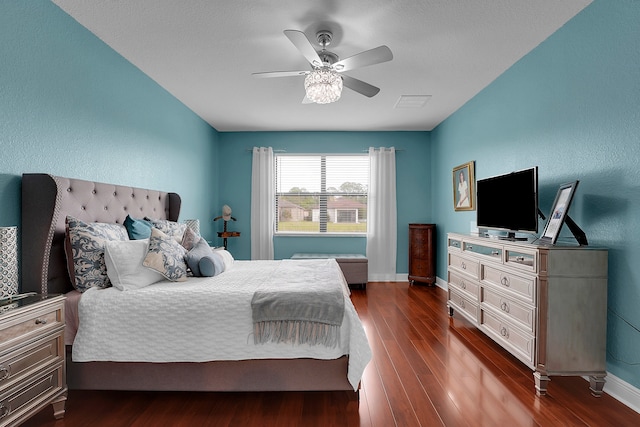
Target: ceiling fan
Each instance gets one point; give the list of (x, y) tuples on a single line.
[(324, 82)]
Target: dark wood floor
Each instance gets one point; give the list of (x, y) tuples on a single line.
[(428, 370)]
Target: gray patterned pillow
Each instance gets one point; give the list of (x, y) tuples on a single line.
[(189, 239), (85, 251), (166, 256), (170, 228)]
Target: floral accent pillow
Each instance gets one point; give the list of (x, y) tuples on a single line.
[(85, 251), (166, 256), (170, 228)]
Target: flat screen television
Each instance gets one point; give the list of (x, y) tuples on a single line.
[(508, 202)]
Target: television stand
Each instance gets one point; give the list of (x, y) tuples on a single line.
[(544, 304), (510, 237)]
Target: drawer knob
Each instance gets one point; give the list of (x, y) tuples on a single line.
[(4, 411), (505, 281), (463, 265), (41, 321), (462, 303), (495, 253), (505, 307), (470, 247), (4, 372), (463, 285), (504, 332)]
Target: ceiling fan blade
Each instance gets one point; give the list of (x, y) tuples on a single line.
[(363, 59), (300, 40), (280, 74), (359, 86)]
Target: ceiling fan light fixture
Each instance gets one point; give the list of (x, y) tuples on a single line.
[(323, 85)]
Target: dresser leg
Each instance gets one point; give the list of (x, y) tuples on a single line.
[(541, 381), (59, 406), (596, 384)]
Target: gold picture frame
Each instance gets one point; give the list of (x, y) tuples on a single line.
[(464, 187)]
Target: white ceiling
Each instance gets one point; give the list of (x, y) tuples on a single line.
[(204, 51)]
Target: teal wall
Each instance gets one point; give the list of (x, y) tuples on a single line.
[(571, 107), (71, 106), (413, 183)]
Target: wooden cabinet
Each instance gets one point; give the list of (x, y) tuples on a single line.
[(422, 253), (546, 305), (32, 358)]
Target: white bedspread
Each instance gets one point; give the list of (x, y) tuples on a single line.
[(205, 319)]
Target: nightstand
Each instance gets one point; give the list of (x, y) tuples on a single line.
[(32, 357)]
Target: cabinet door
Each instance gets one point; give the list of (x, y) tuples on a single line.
[(422, 253)]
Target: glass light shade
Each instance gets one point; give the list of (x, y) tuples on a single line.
[(323, 86)]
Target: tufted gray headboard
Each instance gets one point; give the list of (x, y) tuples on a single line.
[(46, 202)]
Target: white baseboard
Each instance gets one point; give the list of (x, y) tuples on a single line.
[(400, 277), (442, 283), (614, 386), (622, 391)]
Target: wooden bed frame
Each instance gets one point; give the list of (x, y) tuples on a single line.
[(46, 201)]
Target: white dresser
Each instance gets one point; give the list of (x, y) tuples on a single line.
[(546, 305)]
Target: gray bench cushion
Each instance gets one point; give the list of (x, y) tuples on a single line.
[(355, 267)]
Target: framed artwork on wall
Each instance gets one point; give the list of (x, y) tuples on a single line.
[(464, 187)]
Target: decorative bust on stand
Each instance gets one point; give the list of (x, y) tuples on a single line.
[(226, 217)]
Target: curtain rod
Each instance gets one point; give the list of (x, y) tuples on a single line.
[(284, 151)]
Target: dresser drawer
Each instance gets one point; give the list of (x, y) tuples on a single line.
[(464, 285), (519, 342), (30, 325), (464, 265), (518, 286), (514, 311), (421, 267), (14, 366), (17, 401), (492, 252), (467, 306), (521, 259)]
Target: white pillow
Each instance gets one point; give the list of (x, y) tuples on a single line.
[(227, 258), (124, 264)]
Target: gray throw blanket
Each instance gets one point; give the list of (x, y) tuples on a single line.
[(301, 303)]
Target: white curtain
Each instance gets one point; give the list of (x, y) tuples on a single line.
[(382, 232), (262, 203)]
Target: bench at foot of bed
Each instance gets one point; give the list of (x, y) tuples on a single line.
[(355, 267)]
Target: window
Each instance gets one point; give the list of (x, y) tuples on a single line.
[(321, 193)]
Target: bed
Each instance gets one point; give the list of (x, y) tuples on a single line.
[(47, 201)]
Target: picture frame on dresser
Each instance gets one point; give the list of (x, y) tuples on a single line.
[(464, 187), (559, 212)]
